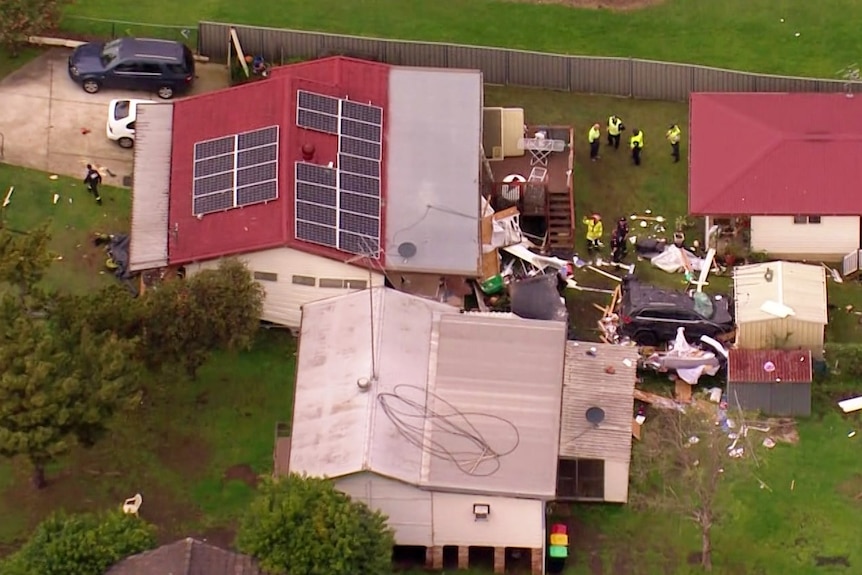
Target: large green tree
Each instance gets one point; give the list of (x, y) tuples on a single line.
[(20, 19), (86, 544), (304, 525), (185, 321), (58, 384)]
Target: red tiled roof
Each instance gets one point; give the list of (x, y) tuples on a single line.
[(249, 107), (775, 154), (748, 366)]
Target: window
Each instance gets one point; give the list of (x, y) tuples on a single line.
[(806, 219), (581, 479), (138, 68), (177, 69), (265, 276), (343, 284), (304, 281)]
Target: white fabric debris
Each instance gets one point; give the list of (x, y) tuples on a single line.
[(670, 260)]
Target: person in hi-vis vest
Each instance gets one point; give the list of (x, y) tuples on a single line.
[(615, 129), (636, 142)]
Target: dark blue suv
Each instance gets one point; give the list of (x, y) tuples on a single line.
[(161, 66)]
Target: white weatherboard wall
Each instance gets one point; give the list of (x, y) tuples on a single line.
[(831, 239), (407, 507), (511, 523), (284, 296)]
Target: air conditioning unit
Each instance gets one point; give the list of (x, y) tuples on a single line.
[(492, 133)]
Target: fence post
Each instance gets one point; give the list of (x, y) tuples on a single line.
[(631, 77)]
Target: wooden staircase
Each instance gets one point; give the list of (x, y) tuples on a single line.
[(561, 224)]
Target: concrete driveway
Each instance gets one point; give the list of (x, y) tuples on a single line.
[(49, 123)]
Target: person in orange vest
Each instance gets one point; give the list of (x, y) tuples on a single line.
[(595, 139)]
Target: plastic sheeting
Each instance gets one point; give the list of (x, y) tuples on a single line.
[(118, 250), (670, 260), (538, 298)]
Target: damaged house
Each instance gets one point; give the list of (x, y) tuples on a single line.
[(447, 422), (327, 177)]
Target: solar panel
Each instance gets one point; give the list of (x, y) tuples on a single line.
[(361, 130), (315, 121), (235, 171), (362, 112), (360, 185), (316, 234), (360, 148), (340, 208), (316, 194), (217, 147), (357, 244), (314, 174), (359, 204), (356, 165), (317, 102), (213, 203)]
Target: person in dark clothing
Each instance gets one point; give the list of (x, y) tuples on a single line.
[(621, 233), (93, 180), (618, 246)]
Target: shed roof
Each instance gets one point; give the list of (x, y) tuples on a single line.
[(447, 385), (769, 365), (587, 384), (800, 287), (187, 557), (775, 154)]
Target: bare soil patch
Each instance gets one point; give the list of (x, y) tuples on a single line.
[(613, 5), (242, 472), (852, 487), (187, 455)]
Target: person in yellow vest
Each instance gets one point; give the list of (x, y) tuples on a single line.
[(636, 143), (595, 231), (595, 138), (615, 129), (674, 134)]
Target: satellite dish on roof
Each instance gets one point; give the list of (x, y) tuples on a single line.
[(407, 250), (595, 415)]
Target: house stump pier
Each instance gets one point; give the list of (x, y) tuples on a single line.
[(537, 561), (499, 559), (463, 557), (434, 557)]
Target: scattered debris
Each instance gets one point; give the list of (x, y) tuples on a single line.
[(656, 400), (851, 405), (604, 273), (53, 177), (768, 442), (8, 199), (851, 434), (56, 198), (85, 131)]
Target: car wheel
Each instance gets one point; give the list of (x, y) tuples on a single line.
[(166, 92), (126, 142), (646, 338), (91, 86)]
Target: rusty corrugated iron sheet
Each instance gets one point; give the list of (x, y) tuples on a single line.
[(753, 366)]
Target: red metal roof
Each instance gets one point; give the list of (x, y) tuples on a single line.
[(775, 154), (752, 366), (249, 107)]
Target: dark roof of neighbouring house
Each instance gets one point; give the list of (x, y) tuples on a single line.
[(775, 154), (769, 366), (187, 557)]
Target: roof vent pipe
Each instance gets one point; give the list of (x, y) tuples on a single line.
[(363, 383)]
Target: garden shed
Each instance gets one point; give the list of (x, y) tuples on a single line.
[(774, 382), (780, 305)]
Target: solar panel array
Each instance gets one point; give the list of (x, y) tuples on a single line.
[(339, 207), (235, 171)]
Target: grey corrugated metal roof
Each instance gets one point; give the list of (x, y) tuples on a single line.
[(434, 134), (151, 186), (507, 368), (335, 431), (801, 287), (187, 557), (587, 384), (506, 375)]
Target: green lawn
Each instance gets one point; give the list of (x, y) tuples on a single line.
[(740, 34)]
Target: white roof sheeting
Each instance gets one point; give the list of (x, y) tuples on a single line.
[(441, 376), (433, 151), (151, 185), (775, 286)]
